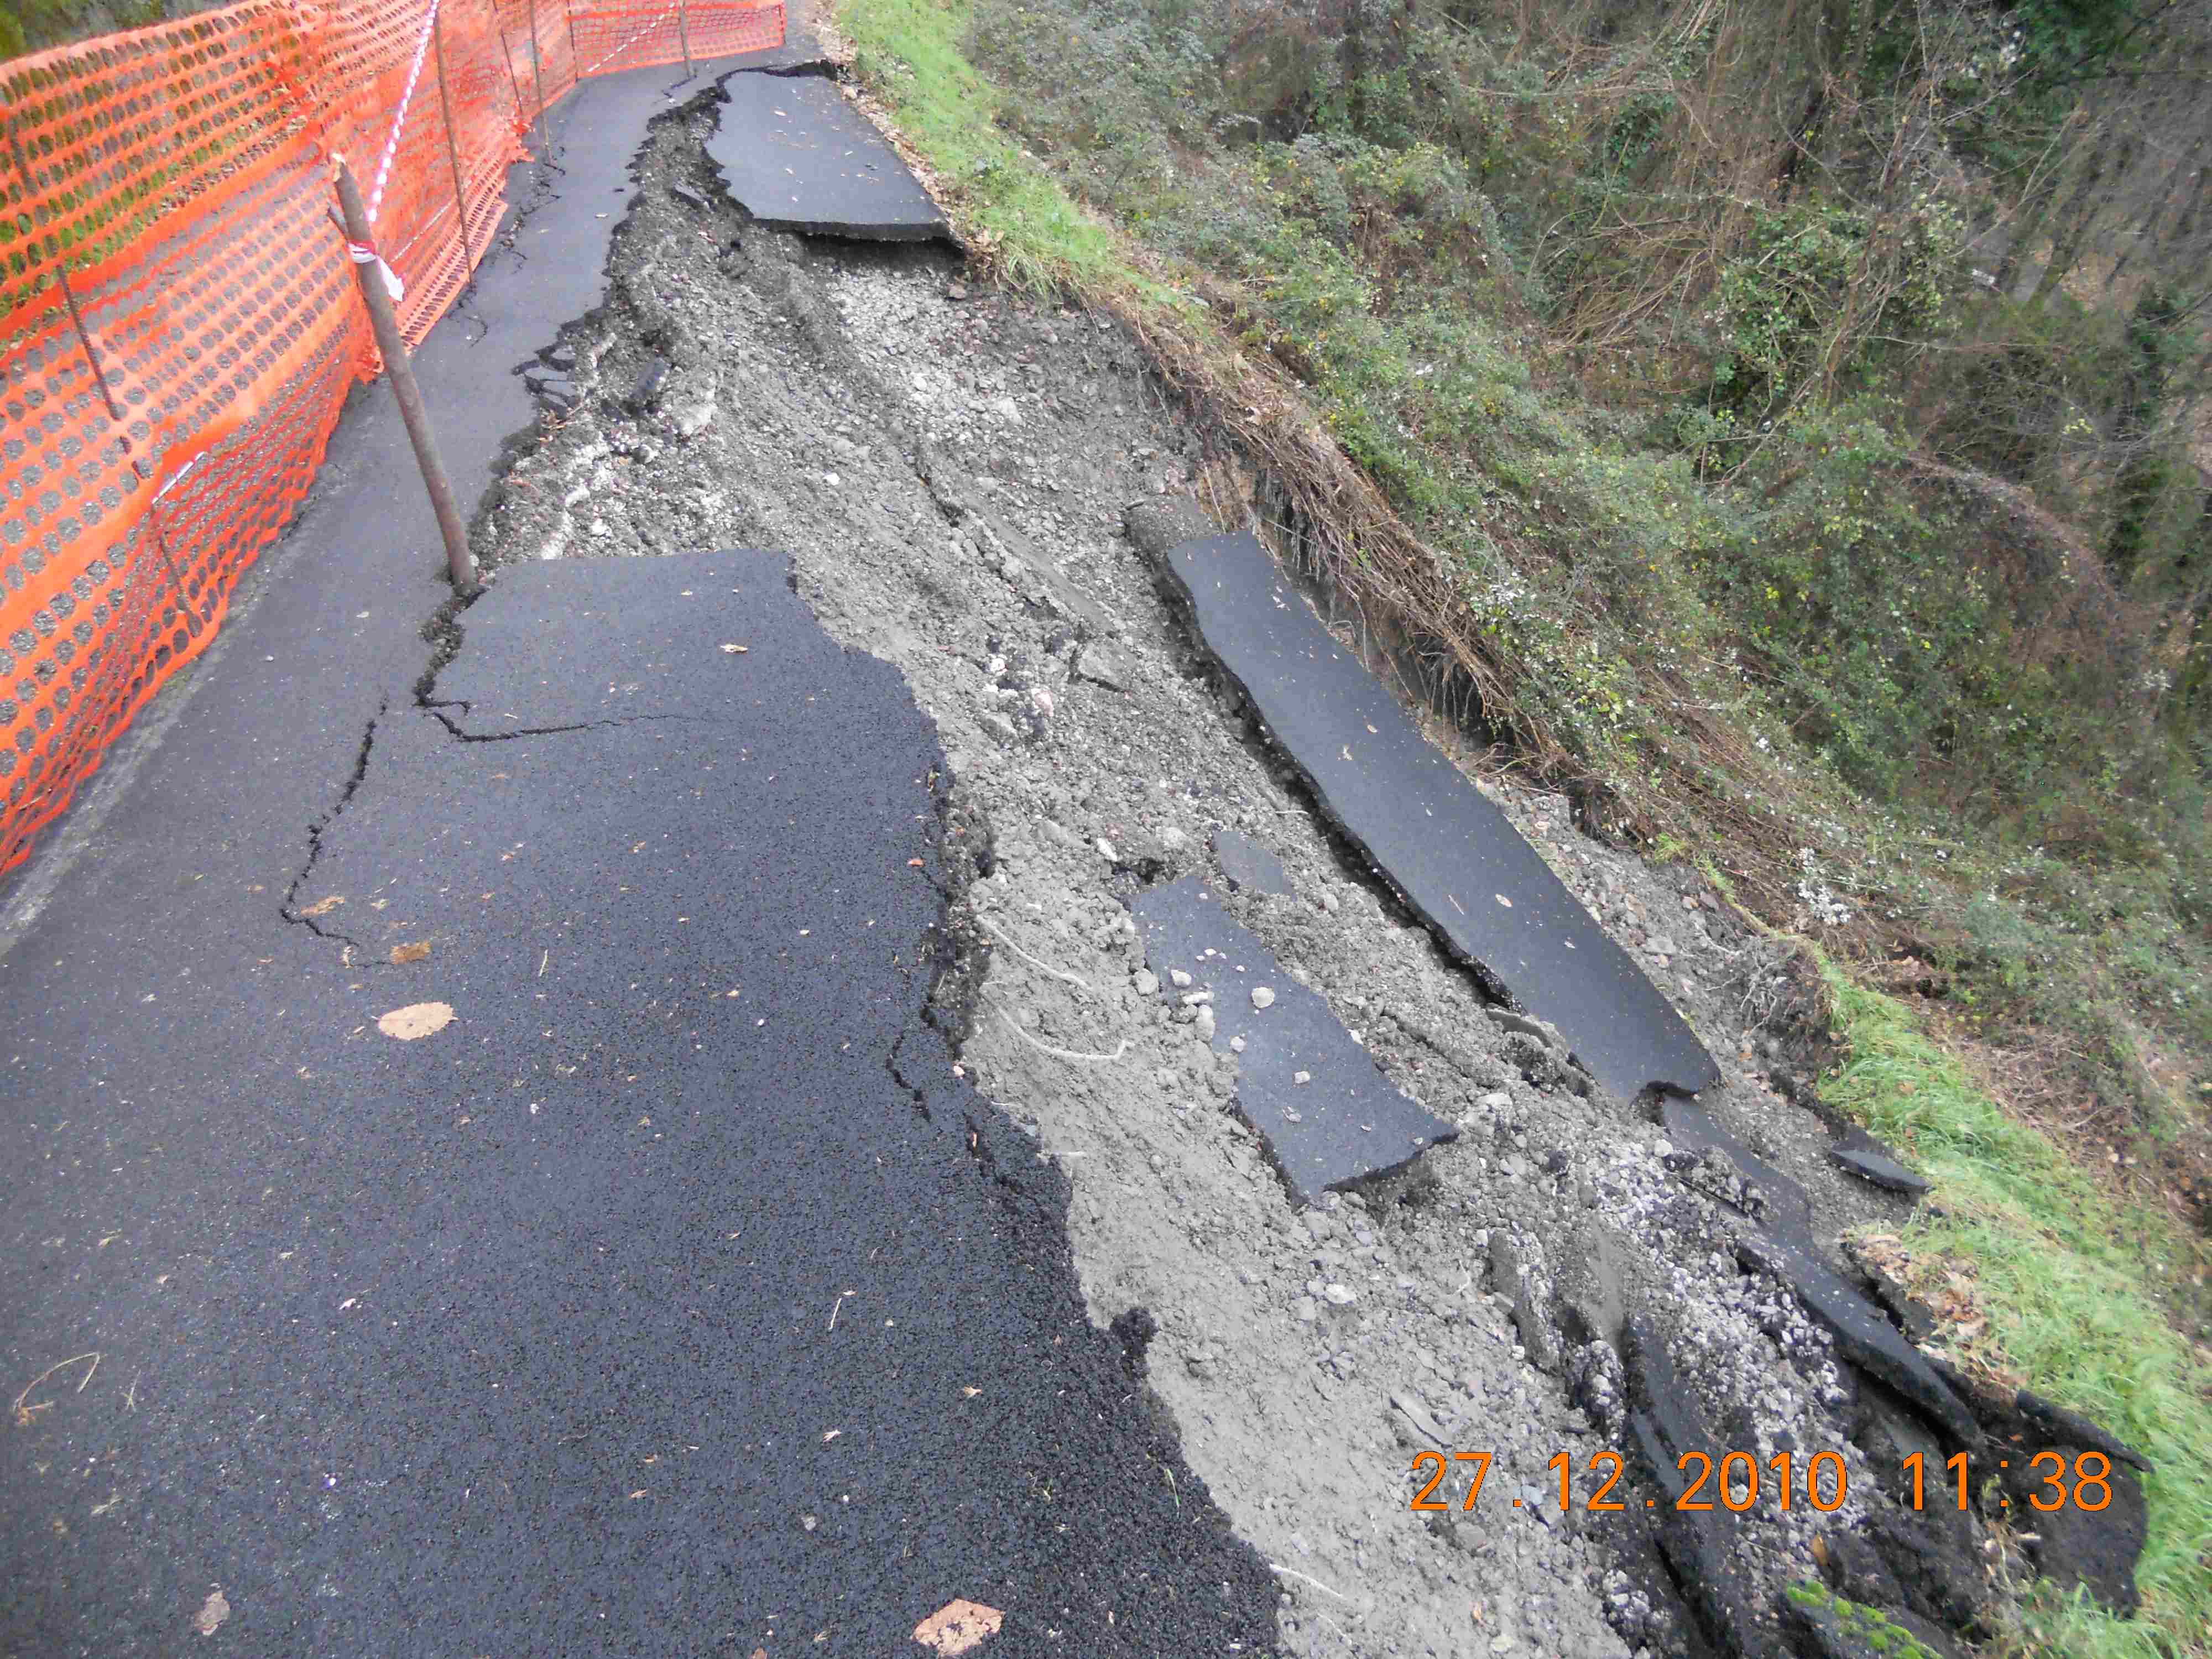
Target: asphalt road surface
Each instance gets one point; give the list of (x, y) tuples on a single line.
[(671, 1295)]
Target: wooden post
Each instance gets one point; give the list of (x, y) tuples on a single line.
[(683, 33), (453, 148), (401, 372)]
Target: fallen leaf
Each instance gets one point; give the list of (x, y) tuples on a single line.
[(832, 1435), (736, 650), (213, 1611), (916, 864), (416, 1019), (959, 1625), (969, 1394), (324, 907), (403, 954)]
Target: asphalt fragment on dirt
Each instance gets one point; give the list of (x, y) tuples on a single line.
[(794, 154), (1304, 1083), (1453, 856)]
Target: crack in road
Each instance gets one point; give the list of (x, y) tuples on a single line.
[(289, 909)]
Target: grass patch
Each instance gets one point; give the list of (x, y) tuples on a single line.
[(2067, 1277), (907, 52)]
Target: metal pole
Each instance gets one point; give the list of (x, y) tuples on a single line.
[(575, 57), (69, 294), (683, 33), (507, 53), (537, 79), (452, 150), (401, 372)]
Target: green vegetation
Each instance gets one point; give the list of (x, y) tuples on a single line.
[(1865, 1624), (1801, 405), (33, 25), (2071, 1284)]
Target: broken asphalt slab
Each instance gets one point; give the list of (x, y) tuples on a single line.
[(1327, 1113), (648, 1293), (1451, 853), (1247, 864), (797, 156)]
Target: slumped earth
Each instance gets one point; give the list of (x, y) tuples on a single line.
[(984, 493)]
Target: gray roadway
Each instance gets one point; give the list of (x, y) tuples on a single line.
[(518, 1337)]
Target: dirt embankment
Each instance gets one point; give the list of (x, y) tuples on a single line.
[(951, 467)]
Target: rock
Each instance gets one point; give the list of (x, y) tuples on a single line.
[(1263, 997), (690, 197), (645, 391), (560, 359), (1305, 1310), (694, 412), (1206, 1024), (1329, 902), (1515, 1278), (1659, 945), (1343, 1295), (1496, 1101), (1177, 978), (1425, 1426), (1102, 665), (1106, 849), (1237, 1045), (1302, 1077), (1146, 981), (956, 290), (1881, 1172), (1246, 864)]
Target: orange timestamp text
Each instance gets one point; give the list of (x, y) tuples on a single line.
[(1738, 1479)]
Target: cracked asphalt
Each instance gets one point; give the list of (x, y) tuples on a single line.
[(673, 1294)]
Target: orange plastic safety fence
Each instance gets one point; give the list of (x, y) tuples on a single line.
[(611, 36), (179, 323)]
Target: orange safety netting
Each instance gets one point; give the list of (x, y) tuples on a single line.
[(178, 321)]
